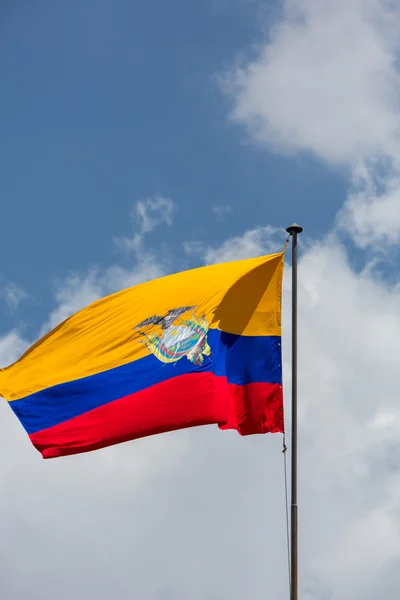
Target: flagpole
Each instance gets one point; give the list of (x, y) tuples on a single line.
[(294, 230)]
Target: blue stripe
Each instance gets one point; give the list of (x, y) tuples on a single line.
[(240, 359)]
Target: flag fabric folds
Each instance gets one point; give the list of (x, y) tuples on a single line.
[(195, 348)]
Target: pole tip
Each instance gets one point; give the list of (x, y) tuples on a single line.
[(294, 229)]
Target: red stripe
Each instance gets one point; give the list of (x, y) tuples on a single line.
[(184, 401)]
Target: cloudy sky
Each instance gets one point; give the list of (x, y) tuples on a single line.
[(140, 138)]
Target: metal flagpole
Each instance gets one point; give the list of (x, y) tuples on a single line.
[(294, 230)]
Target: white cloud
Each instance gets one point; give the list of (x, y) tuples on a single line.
[(147, 214), (153, 211), (194, 247), (13, 295), (12, 345), (326, 81), (73, 294), (255, 242), (222, 210), (372, 211)]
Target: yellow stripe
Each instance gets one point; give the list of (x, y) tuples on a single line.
[(241, 297)]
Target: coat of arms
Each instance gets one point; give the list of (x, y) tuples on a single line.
[(178, 337)]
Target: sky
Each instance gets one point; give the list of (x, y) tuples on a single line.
[(139, 139)]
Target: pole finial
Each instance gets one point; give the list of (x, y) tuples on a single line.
[(294, 229)]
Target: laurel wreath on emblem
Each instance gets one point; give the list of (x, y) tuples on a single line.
[(187, 338)]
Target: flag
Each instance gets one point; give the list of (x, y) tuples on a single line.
[(195, 348)]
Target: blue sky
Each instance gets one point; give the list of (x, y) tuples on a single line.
[(126, 130), (102, 105)]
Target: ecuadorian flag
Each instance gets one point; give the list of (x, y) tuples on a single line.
[(195, 348)]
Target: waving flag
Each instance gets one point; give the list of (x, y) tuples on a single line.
[(198, 347)]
